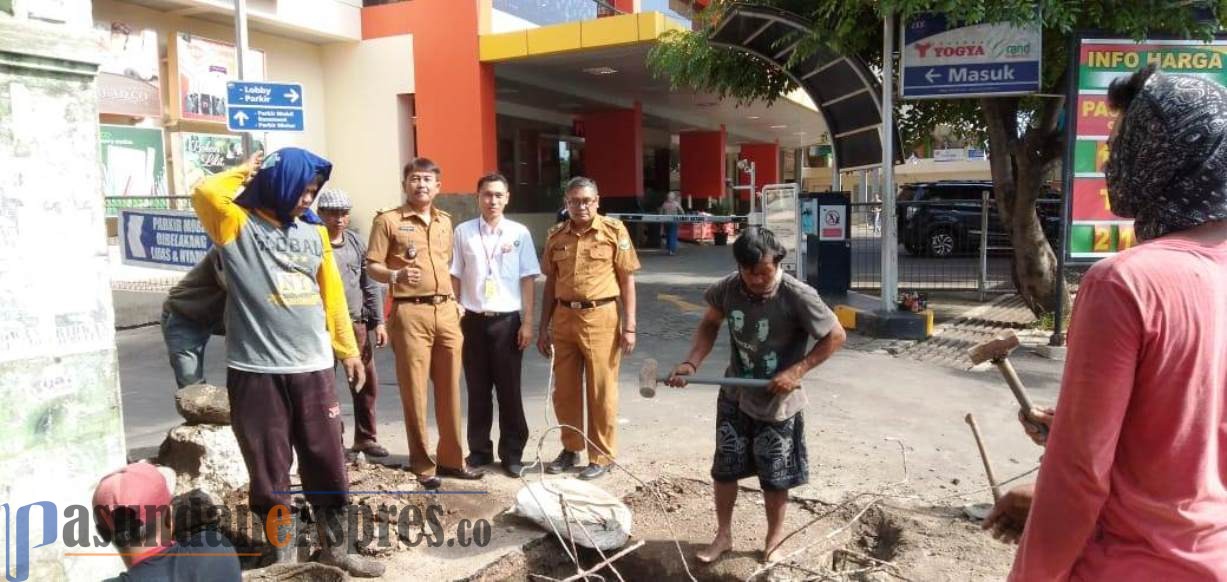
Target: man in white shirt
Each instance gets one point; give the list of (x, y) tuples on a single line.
[(494, 266)]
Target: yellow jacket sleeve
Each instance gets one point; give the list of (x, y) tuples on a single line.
[(213, 200), (336, 310)]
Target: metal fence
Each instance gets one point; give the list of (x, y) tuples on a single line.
[(943, 245), (114, 204)]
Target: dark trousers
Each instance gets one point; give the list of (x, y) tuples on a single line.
[(492, 365), (364, 401), (270, 413)]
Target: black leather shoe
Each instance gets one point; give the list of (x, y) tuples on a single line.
[(462, 473), (372, 449), (593, 471), (431, 483), (565, 460), (513, 469), (474, 460)]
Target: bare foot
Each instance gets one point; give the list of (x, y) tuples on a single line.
[(717, 548), (770, 554)]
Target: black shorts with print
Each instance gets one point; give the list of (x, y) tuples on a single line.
[(775, 451)]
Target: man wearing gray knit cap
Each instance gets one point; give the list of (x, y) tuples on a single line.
[(365, 299), (1133, 484)]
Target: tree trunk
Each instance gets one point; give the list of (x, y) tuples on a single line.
[(1018, 162)]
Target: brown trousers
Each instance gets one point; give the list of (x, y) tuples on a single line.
[(427, 342), (270, 413), (364, 401), (586, 361)]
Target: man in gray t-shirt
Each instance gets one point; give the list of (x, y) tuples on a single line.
[(771, 317)]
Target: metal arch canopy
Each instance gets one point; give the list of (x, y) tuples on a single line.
[(846, 92)]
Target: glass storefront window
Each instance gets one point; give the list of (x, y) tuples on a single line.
[(547, 12)]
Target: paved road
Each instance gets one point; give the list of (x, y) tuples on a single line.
[(670, 293), (670, 298)]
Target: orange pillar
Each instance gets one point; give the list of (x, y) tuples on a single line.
[(454, 91), (702, 163), (627, 6), (613, 155), (766, 158)]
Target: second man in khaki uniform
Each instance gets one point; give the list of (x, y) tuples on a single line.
[(411, 250), (589, 263)]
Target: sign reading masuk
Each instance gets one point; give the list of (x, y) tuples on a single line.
[(993, 58)]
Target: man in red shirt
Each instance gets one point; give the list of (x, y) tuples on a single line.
[(1133, 485)]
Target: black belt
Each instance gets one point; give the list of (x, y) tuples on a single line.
[(491, 314), (424, 299), (585, 304)]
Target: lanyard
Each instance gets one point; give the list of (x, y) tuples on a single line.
[(487, 252)]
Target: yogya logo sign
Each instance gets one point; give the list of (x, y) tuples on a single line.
[(944, 59)]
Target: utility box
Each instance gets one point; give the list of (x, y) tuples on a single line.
[(826, 219)]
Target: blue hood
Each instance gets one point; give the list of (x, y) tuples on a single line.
[(280, 182)]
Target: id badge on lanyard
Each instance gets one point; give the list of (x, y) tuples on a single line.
[(489, 287)]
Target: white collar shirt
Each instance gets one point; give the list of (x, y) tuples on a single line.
[(503, 255)]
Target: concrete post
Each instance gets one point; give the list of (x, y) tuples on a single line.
[(59, 378), (890, 234)]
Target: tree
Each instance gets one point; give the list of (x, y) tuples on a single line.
[(1023, 133)]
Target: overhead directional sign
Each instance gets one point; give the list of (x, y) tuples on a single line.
[(995, 58), (259, 106)]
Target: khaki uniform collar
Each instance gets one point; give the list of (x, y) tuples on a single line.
[(431, 215), (599, 224)]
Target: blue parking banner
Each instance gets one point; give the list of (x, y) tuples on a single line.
[(989, 59), (162, 239), (261, 106)]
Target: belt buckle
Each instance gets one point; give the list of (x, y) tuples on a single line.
[(576, 305), (436, 299)]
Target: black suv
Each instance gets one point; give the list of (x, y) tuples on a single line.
[(941, 219)]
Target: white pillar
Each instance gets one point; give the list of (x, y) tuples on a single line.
[(890, 243)]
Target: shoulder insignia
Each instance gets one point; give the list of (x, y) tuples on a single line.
[(557, 228), (385, 210)]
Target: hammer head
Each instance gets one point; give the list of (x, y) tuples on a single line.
[(647, 378), (997, 348)]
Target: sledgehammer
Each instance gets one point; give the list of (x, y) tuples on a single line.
[(997, 350), (648, 378)]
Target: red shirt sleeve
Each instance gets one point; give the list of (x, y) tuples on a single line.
[(1105, 340)]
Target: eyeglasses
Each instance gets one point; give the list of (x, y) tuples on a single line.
[(580, 202), (418, 179)]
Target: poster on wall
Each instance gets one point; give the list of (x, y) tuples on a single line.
[(129, 82), (133, 167), (200, 155), (780, 216), (202, 69), (1095, 231)]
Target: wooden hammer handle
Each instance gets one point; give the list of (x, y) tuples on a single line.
[(1020, 393), (988, 465)]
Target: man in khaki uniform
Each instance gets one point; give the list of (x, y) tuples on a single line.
[(589, 263), (411, 250)]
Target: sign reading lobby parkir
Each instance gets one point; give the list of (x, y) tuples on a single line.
[(990, 59), (260, 106)]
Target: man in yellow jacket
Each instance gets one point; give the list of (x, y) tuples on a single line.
[(286, 318)]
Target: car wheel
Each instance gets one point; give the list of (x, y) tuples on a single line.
[(941, 243)]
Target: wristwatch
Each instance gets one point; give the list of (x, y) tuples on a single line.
[(392, 277)]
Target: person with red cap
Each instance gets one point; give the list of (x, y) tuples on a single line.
[(132, 507)]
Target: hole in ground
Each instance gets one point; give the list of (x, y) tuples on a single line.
[(684, 506)]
